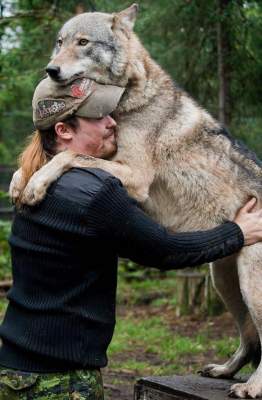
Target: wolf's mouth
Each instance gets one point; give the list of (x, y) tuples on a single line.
[(65, 81)]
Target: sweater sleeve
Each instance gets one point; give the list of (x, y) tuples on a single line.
[(136, 236)]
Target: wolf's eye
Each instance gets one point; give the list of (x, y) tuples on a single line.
[(83, 42), (59, 42)]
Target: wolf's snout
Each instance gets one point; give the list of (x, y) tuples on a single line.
[(53, 71)]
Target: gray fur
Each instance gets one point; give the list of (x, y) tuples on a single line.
[(174, 158), (96, 25)]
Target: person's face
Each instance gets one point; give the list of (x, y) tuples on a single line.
[(94, 137)]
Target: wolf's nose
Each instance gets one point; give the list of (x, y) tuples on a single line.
[(53, 71)]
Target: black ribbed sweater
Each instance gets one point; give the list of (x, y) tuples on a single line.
[(61, 312)]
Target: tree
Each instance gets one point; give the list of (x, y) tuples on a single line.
[(224, 50)]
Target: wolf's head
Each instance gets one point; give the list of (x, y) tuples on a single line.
[(96, 45)]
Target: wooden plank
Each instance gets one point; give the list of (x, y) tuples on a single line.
[(4, 287), (145, 393), (8, 168), (183, 387), (6, 213), (6, 284), (6, 210)]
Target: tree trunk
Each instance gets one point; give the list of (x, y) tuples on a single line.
[(224, 64), (83, 7)]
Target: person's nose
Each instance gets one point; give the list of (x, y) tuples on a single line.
[(111, 123)]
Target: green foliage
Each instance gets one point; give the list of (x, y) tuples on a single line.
[(5, 156), (3, 195)]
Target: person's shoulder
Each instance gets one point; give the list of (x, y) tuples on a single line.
[(82, 184), (82, 175)]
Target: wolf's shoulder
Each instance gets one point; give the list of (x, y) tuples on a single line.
[(81, 184)]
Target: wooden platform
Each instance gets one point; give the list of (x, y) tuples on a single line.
[(191, 387)]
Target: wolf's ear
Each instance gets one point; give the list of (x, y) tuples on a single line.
[(127, 17)]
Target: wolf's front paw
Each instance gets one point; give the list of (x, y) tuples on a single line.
[(35, 190), (15, 185), (216, 371), (246, 390)]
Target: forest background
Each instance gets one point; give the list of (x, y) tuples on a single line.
[(213, 49)]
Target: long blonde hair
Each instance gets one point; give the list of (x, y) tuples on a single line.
[(33, 157)]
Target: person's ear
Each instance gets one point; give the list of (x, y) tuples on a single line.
[(63, 131)]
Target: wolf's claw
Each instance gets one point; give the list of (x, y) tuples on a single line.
[(246, 390), (216, 371)]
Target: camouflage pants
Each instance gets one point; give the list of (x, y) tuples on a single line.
[(73, 385)]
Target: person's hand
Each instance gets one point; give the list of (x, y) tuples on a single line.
[(250, 222)]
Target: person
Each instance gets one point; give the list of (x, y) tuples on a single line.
[(61, 313)]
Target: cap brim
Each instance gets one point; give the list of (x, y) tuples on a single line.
[(103, 101)]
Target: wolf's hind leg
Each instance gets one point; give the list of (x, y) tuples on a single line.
[(225, 279), (250, 278)]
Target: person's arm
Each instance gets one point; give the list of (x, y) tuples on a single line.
[(136, 236)]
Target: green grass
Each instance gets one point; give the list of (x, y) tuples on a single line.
[(147, 345), (135, 332), (135, 337)]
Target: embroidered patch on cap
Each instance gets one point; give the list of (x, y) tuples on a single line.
[(81, 88), (48, 107)]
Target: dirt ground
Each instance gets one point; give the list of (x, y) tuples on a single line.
[(120, 384)]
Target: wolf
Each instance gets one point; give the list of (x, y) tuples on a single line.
[(184, 168)]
